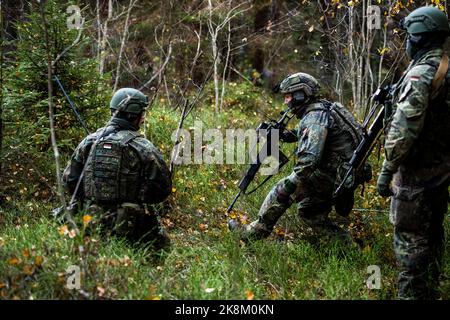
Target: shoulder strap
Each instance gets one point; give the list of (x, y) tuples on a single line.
[(439, 77), (131, 135)]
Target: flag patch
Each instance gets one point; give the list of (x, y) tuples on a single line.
[(107, 146), (415, 78)]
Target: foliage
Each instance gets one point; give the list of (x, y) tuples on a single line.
[(27, 132)]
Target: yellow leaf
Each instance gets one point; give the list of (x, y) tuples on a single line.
[(63, 230), (38, 261), (86, 219), (13, 261), (174, 190), (26, 253), (28, 269), (249, 295)]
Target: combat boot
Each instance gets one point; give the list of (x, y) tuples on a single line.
[(254, 231)]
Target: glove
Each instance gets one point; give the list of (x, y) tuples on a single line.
[(285, 190), (384, 183), (288, 136)]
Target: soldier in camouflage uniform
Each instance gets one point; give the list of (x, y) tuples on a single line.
[(123, 172), (327, 135), (417, 159)]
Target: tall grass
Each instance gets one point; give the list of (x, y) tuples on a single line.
[(206, 261)]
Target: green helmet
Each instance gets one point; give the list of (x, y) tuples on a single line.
[(300, 81), (129, 100), (426, 19)]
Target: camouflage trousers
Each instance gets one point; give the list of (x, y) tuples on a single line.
[(417, 216), (132, 222), (313, 209)]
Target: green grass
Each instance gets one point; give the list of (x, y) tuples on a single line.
[(205, 261)]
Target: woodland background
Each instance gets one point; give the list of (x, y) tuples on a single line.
[(209, 60)]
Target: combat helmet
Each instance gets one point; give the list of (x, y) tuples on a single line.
[(426, 19), (129, 100), (302, 86)]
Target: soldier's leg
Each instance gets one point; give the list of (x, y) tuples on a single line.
[(139, 226), (314, 211), (149, 231), (418, 239), (269, 213)]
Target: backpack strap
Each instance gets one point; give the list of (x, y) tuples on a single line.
[(130, 136), (439, 77)]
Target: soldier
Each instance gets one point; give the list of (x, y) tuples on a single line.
[(123, 172), (327, 135), (417, 155)]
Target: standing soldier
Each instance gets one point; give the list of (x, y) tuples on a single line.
[(327, 135), (123, 172), (417, 151)]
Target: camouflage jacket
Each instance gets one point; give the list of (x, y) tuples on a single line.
[(328, 135), (156, 183), (417, 136)]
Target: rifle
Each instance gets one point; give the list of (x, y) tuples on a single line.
[(381, 100), (251, 172)]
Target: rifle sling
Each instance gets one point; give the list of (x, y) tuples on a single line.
[(439, 77)]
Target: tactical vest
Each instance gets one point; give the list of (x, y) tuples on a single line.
[(432, 147), (113, 172), (340, 118)]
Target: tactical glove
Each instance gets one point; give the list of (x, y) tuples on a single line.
[(288, 136), (384, 183)]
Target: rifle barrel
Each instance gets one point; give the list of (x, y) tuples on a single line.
[(230, 208)]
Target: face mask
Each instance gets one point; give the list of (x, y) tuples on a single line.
[(298, 100), (411, 50)]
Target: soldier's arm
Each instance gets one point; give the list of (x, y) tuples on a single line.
[(409, 116), (158, 179), (313, 133), (75, 166)]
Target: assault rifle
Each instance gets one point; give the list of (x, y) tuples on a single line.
[(381, 101), (265, 152)]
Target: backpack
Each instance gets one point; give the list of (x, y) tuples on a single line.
[(343, 203), (114, 170)]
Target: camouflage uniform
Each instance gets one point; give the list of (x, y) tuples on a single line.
[(145, 179), (418, 151), (327, 137)]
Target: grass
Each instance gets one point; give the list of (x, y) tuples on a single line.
[(205, 261)]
